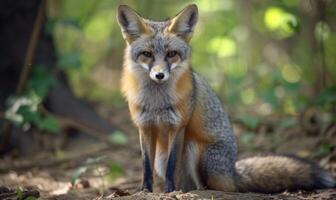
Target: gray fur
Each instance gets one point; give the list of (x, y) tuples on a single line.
[(157, 100), (157, 107), (286, 172), (129, 22), (221, 155), (159, 43)]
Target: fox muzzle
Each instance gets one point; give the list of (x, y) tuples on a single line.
[(159, 74)]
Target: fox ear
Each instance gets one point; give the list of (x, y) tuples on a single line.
[(183, 23), (131, 24)]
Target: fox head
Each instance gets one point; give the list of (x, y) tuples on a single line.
[(157, 48)]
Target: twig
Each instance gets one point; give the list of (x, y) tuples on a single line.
[(72, 161), (28, 61)]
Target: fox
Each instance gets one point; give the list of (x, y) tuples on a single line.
[(185, 134)]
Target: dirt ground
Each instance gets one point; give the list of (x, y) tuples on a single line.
[(92, 169)]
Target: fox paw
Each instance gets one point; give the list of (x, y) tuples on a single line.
[(169, 188)]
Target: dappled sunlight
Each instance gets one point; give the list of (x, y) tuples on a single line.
[(248, 96), (98, 28), (280, 21), (211, 6), (228, 47), (222, 46), (291, 73)]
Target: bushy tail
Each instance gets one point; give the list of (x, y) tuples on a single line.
[(277, 173)]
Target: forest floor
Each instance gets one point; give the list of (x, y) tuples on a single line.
[(83, 169)]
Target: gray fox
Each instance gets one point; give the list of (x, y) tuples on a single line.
[(185, 134)]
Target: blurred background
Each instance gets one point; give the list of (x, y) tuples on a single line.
[(272, 63)]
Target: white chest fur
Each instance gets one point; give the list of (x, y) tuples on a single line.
[(157, 105)]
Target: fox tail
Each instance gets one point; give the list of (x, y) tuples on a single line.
[(277, 173)]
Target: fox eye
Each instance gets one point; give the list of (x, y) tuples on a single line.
[(171, 54), (147, 54)]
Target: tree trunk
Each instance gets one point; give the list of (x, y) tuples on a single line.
[(17, 19)]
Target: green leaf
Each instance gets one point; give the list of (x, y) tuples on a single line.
[(41, 81), (118, 137), (30, 116), (327, 96), (116, 170), (50, 124), (77, 173), (324, 149), (294, 25), (19, 193)]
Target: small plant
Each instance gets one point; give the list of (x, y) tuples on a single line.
[(25, 110)]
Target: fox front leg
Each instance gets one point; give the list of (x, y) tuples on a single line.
[(148, 144), (175, 147)]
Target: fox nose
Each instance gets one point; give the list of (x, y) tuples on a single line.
[(159, 76)]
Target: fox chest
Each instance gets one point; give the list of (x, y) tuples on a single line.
[(148, 114), (156, 108)]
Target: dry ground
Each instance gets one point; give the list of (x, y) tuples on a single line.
[(114, 171)]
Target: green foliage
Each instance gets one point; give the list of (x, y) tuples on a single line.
[(222, 46), (118, 137), (327, 98), (19, 193), (40, 81), (70, 60), (324, 149), (26, 105), (31, 198), (49, 124), (258, 55), (49, 26), (288, 122), (251, 122), (115, 171), (76, 175), (24, 110), (322, 31), (247, 137), (281, 22)]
